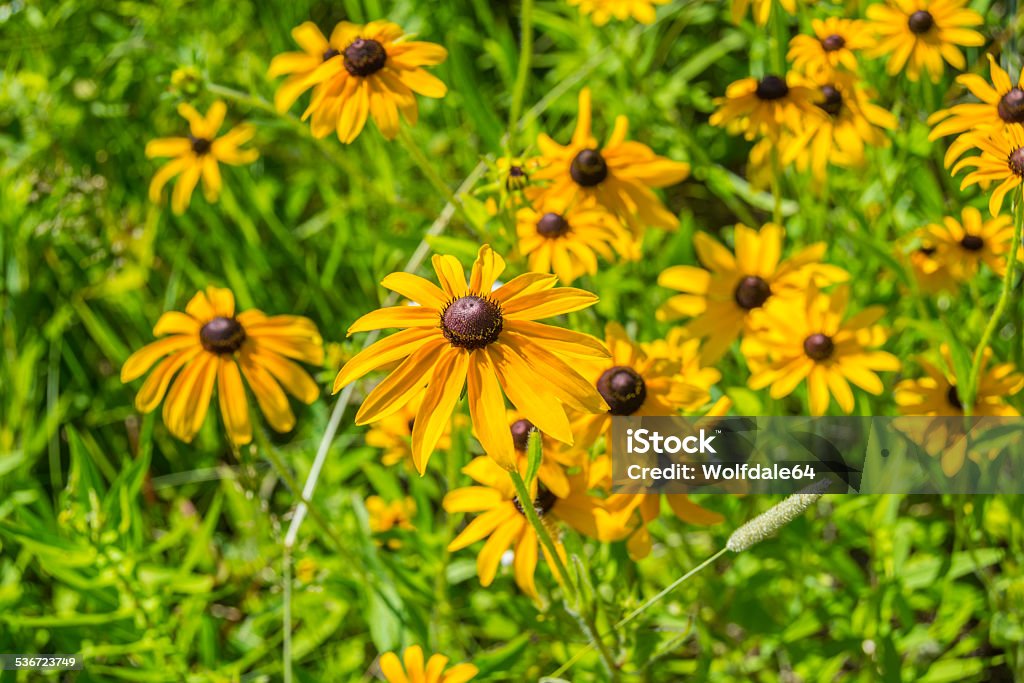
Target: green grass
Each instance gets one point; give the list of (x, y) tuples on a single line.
[(163, 561)]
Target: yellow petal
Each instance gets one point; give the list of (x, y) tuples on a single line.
[(234, 406), (143, 359), (438, 403), (487, 408)]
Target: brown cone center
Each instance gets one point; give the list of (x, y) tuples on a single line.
[(222, 335)]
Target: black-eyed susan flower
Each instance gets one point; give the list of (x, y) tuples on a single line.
[(1002, 105), (962, 246), (813, 340), (362, 71), (501, 520), (851, 122), (721, 296), (198, 155), (936, 393), (633, 383), (209, 346), (766, 106), (618, 176), (464, 333), (412, 669), (1001, 160), (600, 11), (760, 9), (920, 34), (567, 241), (833, 47)]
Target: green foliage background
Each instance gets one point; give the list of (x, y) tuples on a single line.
[(162, 561)]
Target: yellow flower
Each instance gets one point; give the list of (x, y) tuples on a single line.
[(1001, 159), (198, 154), (1001, 106), (634, 383), (762, 9), (502, 522), (768, 106), (919, 34), (414, 670), (814, 340), (361, 71), (568, 241), (206, 346), (618, 176), (962, 246), (600, 11), (831, 48), (936, 393), (393, 434), (851, 121), (463, 332), (679, 347), (721, 296)]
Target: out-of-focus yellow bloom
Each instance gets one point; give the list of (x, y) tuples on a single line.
[(197, 156)]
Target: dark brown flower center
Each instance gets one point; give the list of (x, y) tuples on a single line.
[(552, 226), (542, 504), (200, 146), (589, 168), (833, 100), (517, 179), (471, 322), (329, 53), (921, 22), (1016, 161), (819, 347), (1011, 106), (222, 335), (953, 397), (771, 88), (623, 389), (364, 57), (521, 434), (833, 42), (972, 243), (752, 292)]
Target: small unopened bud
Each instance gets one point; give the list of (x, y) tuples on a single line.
[(770, 521)]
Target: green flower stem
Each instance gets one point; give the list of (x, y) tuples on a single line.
[(997, 315), (523, 70), (638, 611), (526, 503)]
